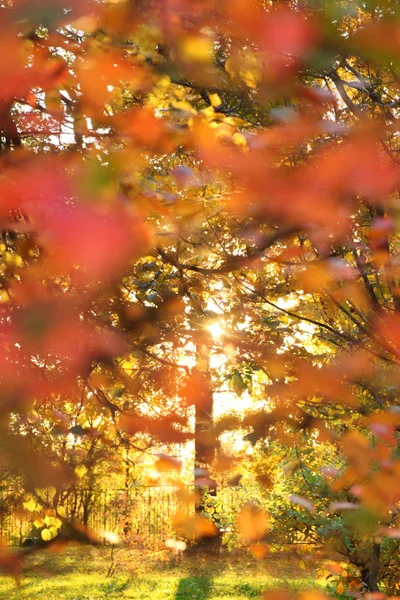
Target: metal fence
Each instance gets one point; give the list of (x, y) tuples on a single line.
[(142, 511)]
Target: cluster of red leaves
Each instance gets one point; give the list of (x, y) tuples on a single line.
[(327, 188), (82, 244)]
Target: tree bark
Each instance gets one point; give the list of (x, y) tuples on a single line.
[(204, 446), (369, 575)]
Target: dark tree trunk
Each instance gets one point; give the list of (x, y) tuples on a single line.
[(204, 444), (87, 500), (204, 455), (204, 439), (369, 575)]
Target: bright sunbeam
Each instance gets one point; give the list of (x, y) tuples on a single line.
[(216, 330)]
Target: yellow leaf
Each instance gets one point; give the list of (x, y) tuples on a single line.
[(38, 523), (183, 106), (197, 48), (208, 112), (239, 139), (53, 531), (30, 505), (222, 129), (126, 365), (247, 66), (4, 297), (234, 121), (251, 78), (46, 535), (164, 82), (48, 492), (62, 512), (290, 468), (80, 471), (215, 100), (230, 67), (340, 588)]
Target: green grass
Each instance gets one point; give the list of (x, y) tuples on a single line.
[(77, 574)]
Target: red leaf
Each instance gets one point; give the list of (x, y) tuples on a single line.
[(91, 244)]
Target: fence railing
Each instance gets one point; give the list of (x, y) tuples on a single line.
[(144, 511)]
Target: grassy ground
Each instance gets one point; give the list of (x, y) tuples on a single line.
[(81, 573)]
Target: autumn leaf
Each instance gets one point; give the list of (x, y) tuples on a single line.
[(193, 527), (252, 523), (302, 502)]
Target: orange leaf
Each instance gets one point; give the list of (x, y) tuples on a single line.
[(259, 550), (252, 523), (194, 527)]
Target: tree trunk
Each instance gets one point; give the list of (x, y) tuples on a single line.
[(204, 445), (204, 440), (369, 575)]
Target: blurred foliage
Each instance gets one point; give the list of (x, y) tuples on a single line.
[(199, 265)]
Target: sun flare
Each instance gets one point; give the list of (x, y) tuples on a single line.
[(216, 330)]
